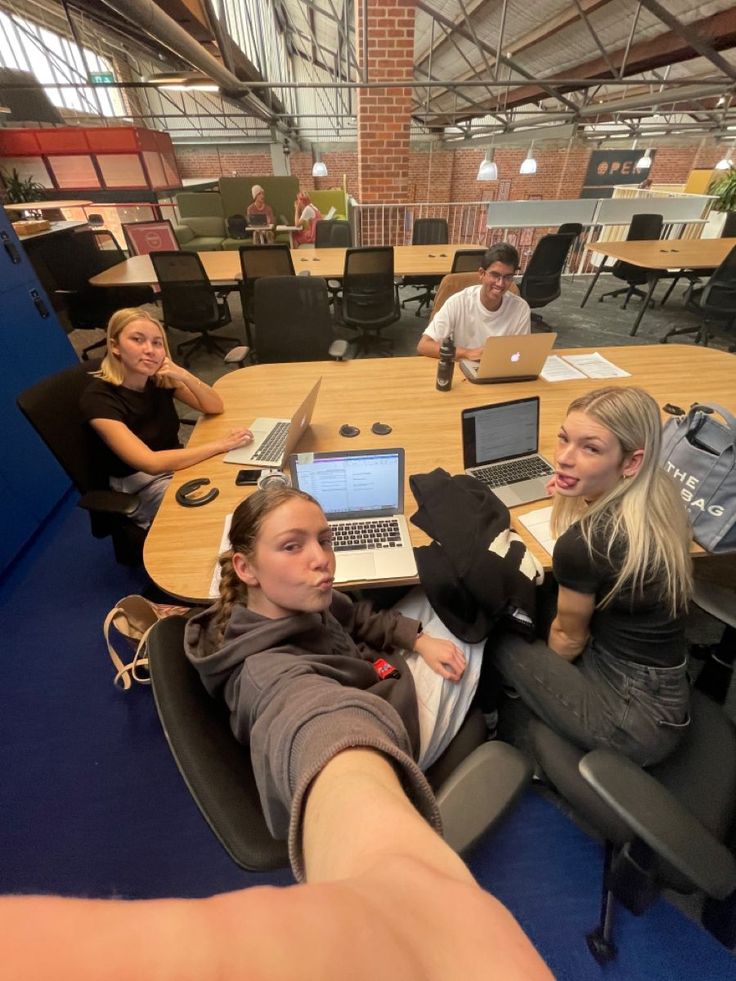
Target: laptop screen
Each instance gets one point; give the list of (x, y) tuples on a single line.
[(352, 483), (500, 432)]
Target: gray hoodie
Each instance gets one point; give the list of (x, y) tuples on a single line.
[(302, 688)]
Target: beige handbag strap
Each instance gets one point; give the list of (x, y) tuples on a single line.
[(133, 617)]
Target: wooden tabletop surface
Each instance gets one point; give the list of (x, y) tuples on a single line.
[(45, 205), (224, 267), (695, 253), (182, 545)]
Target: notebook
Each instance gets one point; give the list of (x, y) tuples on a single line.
[(515, 357), (362, 495), (275, 439), (500, 444)]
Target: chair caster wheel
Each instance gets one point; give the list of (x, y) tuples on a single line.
[(603, 950)]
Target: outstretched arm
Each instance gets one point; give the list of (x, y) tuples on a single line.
[(386, 897)]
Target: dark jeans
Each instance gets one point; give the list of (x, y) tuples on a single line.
[(599, 700)]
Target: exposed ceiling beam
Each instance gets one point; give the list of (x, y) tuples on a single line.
[(488, 49), (657, 52), (691, 34)]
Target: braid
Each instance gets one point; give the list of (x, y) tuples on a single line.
[(232, 591)]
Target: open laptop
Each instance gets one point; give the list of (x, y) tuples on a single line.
[(362, 495), (500, 444), (256, 220), (515, 357), (275, 439)]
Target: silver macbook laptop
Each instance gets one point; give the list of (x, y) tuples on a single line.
[(362, 495), (275, 439), (500, 444), (515, 357)]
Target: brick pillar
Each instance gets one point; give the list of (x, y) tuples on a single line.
[(383, 113)]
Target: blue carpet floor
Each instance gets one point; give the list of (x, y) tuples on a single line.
[(92, 803)]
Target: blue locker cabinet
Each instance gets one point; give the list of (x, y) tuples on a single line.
[(32, 345)]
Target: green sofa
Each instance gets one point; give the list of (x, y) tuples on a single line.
[(201, 226), (203, 215)]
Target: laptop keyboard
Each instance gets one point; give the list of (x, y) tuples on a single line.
[(272, 448), (350, 536), (503, 474)]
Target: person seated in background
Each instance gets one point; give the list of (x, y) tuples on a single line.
[(613, 672), (306, 215), (259, 207), (386, 897), (130, 405), (306, 672), (474, 314)]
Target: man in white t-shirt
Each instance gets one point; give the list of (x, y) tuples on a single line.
[(479, 312)]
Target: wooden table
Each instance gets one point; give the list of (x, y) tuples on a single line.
[(45, 205), (224, 267), (659, 257), (182, 545)]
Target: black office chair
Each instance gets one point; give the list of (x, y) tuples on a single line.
[(664, 827), (190, 303), (570, 228), (476, 782), (695, 277), (714, 302), (334, 234), (52, 408), (643, 227), (541, 282), (257, 261), (292, 320), (426, 231), (467, 260), (87, 253), (370, 300)]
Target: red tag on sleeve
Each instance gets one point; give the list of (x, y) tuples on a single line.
[(385, 670)]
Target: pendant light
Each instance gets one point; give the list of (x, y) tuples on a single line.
[(645, 162), (529, 165), (488, 171), (319, 167), (725, 163)]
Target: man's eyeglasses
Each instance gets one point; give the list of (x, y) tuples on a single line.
[(500, 277)]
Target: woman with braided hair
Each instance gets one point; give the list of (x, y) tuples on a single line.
[(307, 673)]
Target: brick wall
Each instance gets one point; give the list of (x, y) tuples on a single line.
[(383, 114), (445, 173)]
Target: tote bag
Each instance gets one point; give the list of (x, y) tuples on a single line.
[(699, 453)]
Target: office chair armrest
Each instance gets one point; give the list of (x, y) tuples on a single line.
[(110, 502), (479, 791), (338, 349), (660, 821)]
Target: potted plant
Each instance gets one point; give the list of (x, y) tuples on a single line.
[(19, 189), (723, 185)]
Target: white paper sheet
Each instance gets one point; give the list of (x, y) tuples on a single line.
[(557, 369), (224, 545), (537, 523), (596, 366)]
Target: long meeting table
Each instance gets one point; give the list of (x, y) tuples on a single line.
[(182, 546), (659, 258), (223, 268)]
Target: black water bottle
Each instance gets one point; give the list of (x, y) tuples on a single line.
[(446, 365)]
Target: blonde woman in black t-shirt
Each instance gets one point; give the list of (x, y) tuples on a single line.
[(130, 405), (613, 670)]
